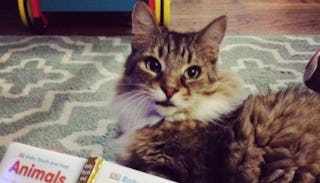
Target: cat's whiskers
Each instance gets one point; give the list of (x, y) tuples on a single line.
[(132, 94), (130, 100), (135, 110), (129, 111), (142, 106), (133, 84), (122, 104)]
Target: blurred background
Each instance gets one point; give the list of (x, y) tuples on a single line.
[(245, 17)]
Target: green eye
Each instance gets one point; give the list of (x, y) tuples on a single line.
[(192, 72), (152, 64)]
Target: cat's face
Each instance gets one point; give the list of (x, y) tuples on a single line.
[(173, 73)]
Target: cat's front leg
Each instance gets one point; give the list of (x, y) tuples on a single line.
[(149, 151)]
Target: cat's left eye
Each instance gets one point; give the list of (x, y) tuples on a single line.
[(153, 64), (192, 72)]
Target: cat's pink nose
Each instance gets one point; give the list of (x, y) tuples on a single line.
[(169, 91)]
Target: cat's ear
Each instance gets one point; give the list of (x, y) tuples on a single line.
[(210, 37), (144, 26)]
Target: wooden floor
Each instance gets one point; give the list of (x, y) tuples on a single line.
[(248, 17), (251, 16)]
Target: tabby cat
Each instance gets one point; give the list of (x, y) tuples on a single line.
[(183, 118)]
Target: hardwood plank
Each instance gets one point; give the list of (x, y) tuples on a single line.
[(249, 16)]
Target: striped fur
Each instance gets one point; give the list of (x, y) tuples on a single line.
[(184, 119)]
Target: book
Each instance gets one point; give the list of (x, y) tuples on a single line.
[(27, 164), (97, 170)]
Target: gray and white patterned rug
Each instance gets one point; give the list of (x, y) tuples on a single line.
[(54, 90)]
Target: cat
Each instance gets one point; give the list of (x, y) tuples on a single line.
[(183, 118)]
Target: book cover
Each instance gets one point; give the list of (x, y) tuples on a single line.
[(26, 164)]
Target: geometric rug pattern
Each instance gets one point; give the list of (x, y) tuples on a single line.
[(55, 90)]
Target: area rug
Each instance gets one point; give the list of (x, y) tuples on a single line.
[(55, 90)]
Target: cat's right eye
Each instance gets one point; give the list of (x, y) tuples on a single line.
[(152, 64), (192, 72)]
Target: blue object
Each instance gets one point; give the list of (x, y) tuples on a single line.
[(87, 5)]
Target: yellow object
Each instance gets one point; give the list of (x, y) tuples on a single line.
[(157, 8), (22, 13), (90, 170), (166, 12), (29, 11)]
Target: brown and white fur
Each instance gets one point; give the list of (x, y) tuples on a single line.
[(183, 118)]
